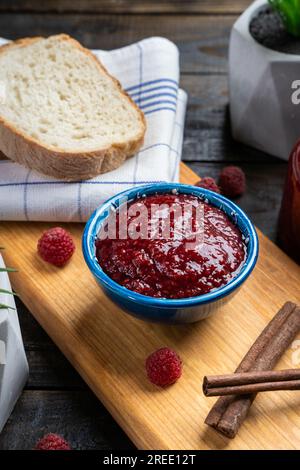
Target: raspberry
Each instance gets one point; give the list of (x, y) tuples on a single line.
[(232, 181), (163, 367), (52, 442), (208, 183), (56, 246)]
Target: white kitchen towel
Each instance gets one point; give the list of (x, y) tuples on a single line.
[(149, 72)]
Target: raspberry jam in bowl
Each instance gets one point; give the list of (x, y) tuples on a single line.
[(170, 252)]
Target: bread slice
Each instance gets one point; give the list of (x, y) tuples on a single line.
[(61, 113)]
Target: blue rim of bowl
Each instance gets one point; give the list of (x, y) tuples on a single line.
[(232, 210)]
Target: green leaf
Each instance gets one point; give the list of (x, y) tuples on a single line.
[(8, 270), (289, 11), (5, 291), (6, 306)]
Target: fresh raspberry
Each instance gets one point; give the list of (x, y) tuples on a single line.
[(232, 181), (208, 183), (163, 367), (52, 442), (56, 246)]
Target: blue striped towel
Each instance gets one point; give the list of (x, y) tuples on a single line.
[(149, 71)]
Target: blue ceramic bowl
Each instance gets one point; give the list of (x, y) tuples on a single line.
[(185, 310)]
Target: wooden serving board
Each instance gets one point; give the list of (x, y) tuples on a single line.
[(108, 347)]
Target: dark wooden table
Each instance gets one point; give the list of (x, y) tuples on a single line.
[(55, 398)]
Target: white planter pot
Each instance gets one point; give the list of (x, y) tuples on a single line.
[(13, 362), (260, 82)]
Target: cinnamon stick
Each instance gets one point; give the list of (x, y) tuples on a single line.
[(251, 382), (229, 412)]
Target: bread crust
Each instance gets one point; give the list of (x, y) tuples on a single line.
[(69, 166)]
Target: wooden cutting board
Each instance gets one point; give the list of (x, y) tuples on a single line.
[(108, 347)]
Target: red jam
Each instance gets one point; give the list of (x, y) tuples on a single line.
[(182, 264)]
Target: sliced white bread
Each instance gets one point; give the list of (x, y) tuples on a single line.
[(61, 113)]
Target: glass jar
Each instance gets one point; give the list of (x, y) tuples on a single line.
[(289, 218)]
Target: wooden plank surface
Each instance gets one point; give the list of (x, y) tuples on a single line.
[(202, 40), (127, 6), (76, 415), (90, 332), (262, 198), (207, 146)]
